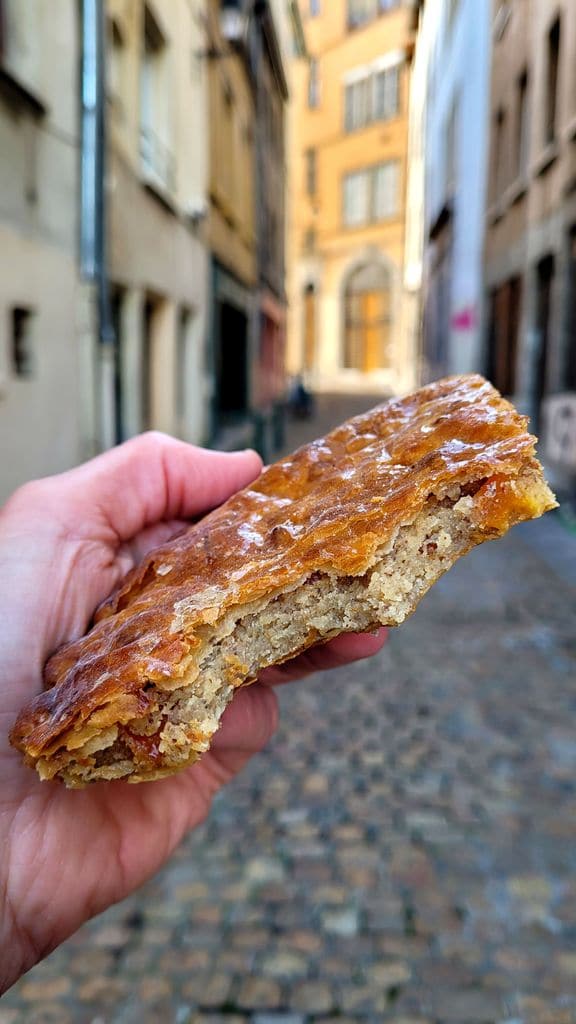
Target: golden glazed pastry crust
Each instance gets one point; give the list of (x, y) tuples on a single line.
[(346, 533)]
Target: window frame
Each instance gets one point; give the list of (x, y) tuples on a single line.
[(370, 175), (366, 78), (311, 157), (313, 83), (553, 74), (22, 347), (522, 139)]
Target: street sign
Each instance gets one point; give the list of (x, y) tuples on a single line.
[(560, 429)]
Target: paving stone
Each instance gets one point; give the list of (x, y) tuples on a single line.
[(151, 989), (410, 1020), (209, 991), (312, 997), (284, 964), (567, 963), (112, 936), (49, 1013), (342, 922), (105, 991), (264, 869), (387, 976), (217, 1018), (363, 999), (190, 892), (44, 988), (252, 939), (466, 1006), (259, 994), (183, 961), (278, 1018), (156, 937), (9, 1016), (305, 941), (336, 1020)]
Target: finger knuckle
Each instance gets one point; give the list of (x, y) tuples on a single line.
[(28, 495)]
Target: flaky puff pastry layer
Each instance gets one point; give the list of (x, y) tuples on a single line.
[(328, 510)]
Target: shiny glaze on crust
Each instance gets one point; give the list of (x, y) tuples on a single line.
[(325, 509)]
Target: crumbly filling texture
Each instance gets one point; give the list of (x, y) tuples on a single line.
[(184, 719)]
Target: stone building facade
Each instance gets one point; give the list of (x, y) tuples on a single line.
[(530, 255), (43, 428), (70, 385), (157, 115)]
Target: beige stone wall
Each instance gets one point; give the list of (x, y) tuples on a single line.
[(158, 210), (232, 223), (531, 214), (337, 248), (45, 426)]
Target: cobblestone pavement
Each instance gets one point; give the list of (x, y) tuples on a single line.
[(404, 850)]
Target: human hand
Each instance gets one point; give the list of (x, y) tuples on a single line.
[(65, 543)]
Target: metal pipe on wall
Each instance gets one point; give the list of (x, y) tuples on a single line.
[(93, 248)]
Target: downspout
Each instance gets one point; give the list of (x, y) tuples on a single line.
[(255, 58), (93, 249)]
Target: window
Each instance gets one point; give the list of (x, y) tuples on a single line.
[(21, 48), (3, 33), (116, 66), (453, 6), (146, 369), (233, 362), (553, 64), (311, 168), (117, 316), (372, 97), (309, 326), (499, 153), (157, 160), (371, 195), (367, 318), (385, 190), (522, 126), (362, 11), (356, 198), (569, 375), (504, 328), (545, 282), (386, 93), (313, 83), (310, 240), (450, 160), (314, 8), (358, 104), (22, 351), (182, 337)]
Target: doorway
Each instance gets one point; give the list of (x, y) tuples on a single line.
[(232, 390), (544, 284)]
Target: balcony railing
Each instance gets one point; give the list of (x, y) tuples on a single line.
[(157, 163)]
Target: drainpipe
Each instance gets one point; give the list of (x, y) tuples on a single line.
[(93, 250)]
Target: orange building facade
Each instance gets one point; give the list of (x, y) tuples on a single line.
[(348, 143)]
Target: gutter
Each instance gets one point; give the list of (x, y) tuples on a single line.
[(93, 249)]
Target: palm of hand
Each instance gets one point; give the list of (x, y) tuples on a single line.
[(64, 545)]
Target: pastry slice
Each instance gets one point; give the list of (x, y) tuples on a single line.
[(346, 533)]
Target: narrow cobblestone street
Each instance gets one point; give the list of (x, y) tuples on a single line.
[(404, 850)]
